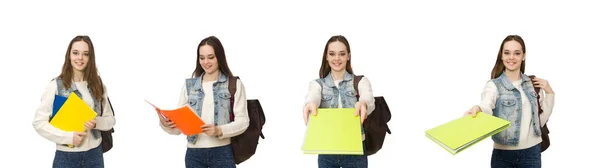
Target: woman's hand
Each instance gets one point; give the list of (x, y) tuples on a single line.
[(361, 109), (212, 130), (309, 108), (473, 111), (542, 83)]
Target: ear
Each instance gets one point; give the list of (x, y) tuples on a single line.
[(524, 56), (349, 56)]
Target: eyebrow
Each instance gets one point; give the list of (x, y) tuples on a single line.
[(515, 50)]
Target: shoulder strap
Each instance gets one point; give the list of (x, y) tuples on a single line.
[(357, 79), (232, 89)]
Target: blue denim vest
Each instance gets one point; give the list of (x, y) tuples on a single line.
[(62, 91), (330, 93), (509, 107), (221, 97)]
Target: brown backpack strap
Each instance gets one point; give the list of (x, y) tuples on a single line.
[(357, 79), (232, 88)]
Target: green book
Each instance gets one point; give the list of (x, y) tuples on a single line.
[(459, 134), (333, 131)]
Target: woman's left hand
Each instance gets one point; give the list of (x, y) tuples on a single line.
[(542, 83), (361, 109), (211, 130)]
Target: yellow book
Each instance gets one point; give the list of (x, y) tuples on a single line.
[(459, 134), (333, 131), (73, 114)]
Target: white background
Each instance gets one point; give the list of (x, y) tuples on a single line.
[(430, 60)]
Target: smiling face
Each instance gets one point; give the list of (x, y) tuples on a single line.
[(337, 56), (208, 59), (79, 56), (512, 55)]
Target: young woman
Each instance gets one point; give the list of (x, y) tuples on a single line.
[(334, 89), (79, 75), (510, 95), (208, 95)]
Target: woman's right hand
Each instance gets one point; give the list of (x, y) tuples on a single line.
[(164, 121), (473, 111), (78, 138), (309, 108)]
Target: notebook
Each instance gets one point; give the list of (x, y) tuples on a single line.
[(459, 134), (333, 131), (58, 102), (186, 120), (73, 114)]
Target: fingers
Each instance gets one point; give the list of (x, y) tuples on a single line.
[(171, 124), (305, 113), (363, 114)]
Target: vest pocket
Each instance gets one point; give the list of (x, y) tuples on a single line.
[(226, 96), (508, 107)]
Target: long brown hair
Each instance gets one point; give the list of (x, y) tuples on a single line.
[(90, 73), (215, 43), (325, 69), (499, 67)]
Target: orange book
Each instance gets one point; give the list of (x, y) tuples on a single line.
[(186, 120)]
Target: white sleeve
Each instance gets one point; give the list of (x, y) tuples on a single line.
[(488, 97), (547, 104), (41, 119), (366, 94), (314, 94), (240, 110), (107, 120)]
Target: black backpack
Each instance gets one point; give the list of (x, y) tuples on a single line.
[(376, 123), (107, 139), (244, 145), (545, 138)]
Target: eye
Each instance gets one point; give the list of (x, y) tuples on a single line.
[(87, 54), (343, 54), (75, 53), (331, 54), (506, 53), (517, 53)]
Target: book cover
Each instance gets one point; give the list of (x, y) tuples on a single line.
[(459, 134), (334, 131)]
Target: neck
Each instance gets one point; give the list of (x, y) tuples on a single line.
[(338, 75), (513, 75), (77, 76), (211, 77)]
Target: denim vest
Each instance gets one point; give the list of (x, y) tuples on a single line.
[(509, 107), (221, 99), (62, 91), (330, 93)]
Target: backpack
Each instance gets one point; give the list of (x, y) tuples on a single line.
[(544, 129), (376, 123), (107, 139), (244, 145)]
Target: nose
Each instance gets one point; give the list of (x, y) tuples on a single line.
[(79, 56)]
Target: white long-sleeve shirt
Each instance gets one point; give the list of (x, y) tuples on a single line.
[(45, 129), (527, 136), (237, 127)]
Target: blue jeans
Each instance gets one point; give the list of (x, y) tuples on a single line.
[(345, 161), (92, 158), (218, 157), (530, 157)]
